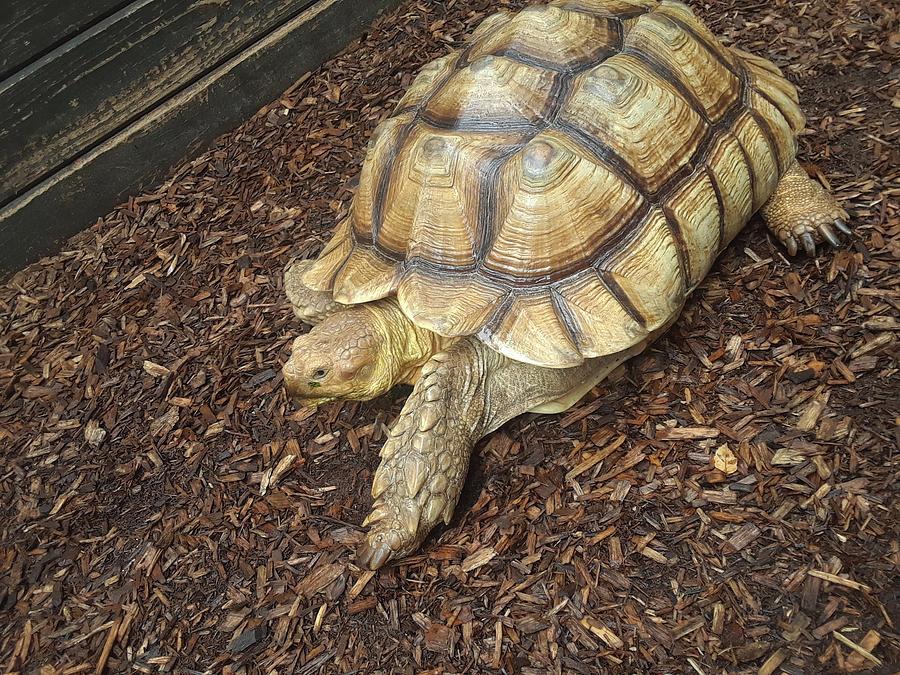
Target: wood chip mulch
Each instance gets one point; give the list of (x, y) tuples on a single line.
[(727, 502)]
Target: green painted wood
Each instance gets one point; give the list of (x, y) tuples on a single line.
[(108, 75), (30, 28), (38, 222)]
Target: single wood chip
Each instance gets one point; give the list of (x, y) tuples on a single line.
[(271, 477), (835, 579), (602, 632), (744, 535), (360, 584), (718, 618), (107, 647), (814, 410), (94, 433), (686, 433), (724, 460), (655, 556), (156, 370), (595, 458), (771, 664), (479, 558)]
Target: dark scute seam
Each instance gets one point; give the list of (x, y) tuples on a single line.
[(720, 205), (604, 153), (565, 318), (387, 254), (622, 297), (681, 250), (624, 14), (751, 170), (559, 94), (577, 66), (487, 214), (667, 75), (774, 149), (775, 104), (493, 323)]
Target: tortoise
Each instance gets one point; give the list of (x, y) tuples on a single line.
[(534, 213)]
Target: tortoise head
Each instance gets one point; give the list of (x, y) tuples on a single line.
[(344, 357)]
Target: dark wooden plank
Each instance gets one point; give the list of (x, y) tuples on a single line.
[(29, 28), (38, 222), (95, 84)]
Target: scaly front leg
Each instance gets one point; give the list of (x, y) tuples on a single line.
[(800, 211), (310, 306), (425, 459), (463, 394)]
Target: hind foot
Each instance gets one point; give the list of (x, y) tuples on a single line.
[(801, 213)]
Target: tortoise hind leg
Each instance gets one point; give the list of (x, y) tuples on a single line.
[(800, 212), (309, 306)]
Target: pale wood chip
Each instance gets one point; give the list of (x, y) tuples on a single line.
[(156, 370), (771, 664), (835, 579), (744, 535), (481, 557), (724, 460), (602, 632), (686, 433)]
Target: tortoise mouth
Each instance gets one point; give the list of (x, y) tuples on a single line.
[(301, 390), (304, 397)]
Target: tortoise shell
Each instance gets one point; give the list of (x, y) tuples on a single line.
[(560, 185)]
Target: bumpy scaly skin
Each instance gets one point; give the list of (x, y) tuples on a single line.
[(800, 211), (310, 306), (463, 394)]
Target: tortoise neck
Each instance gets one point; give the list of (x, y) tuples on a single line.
[(407, 346)]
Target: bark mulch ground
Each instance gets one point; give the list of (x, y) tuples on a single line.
[(726, 503)]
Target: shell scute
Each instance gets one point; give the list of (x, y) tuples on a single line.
[(492, 92), (550, 37), (625, 106), (564, 208)]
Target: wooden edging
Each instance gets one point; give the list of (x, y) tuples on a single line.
[(39, 221), (112, 72)]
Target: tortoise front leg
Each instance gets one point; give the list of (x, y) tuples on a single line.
[(310, 306), (800, 211), (463, 394)]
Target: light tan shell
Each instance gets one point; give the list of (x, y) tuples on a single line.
[(559, 186)]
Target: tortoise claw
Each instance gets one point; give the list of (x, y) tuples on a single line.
[(841, 225), (809, 244), (829, 235), (791, 244), (373, 555)]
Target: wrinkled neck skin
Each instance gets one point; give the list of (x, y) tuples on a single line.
[(407, 347)]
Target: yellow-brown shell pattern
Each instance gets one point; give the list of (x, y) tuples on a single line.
[(560, 185)]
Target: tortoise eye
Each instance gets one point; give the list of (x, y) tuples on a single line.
[(319, 374)]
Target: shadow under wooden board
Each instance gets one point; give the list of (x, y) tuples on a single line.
[(103, 166)]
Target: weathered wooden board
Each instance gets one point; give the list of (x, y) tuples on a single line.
[(28, 28), (37, 222), (94, 84)]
